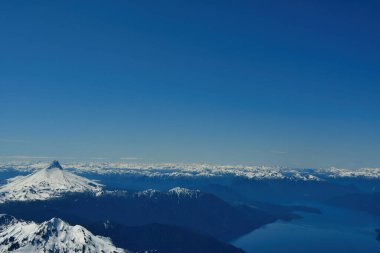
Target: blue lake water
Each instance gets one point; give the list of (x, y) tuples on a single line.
[(335, 230)]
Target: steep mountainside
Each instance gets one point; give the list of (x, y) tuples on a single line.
[(159, 238), (195, 210), (54, 236)]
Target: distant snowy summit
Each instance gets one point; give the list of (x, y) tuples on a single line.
[(55, 236), (47, 183), (177, 192), (184, 192)]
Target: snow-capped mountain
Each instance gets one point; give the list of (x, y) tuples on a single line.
[(54, 236), (184, 192), (46, 183)]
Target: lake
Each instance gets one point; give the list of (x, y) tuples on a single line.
[(335, 230)]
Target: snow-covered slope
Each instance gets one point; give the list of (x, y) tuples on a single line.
[(46, 183), (54, 236)]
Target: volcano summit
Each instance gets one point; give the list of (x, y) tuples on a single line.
[(47, 183)]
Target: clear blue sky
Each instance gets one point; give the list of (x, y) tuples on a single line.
[(293, 83)]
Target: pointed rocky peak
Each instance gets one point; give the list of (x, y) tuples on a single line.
[(55, 164), (53, 224)]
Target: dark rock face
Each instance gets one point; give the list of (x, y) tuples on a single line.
[(55, 164)]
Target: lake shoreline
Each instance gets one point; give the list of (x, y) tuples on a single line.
[(334, 230)]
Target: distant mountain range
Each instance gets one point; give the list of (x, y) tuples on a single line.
[(175, 170), (241, 183)]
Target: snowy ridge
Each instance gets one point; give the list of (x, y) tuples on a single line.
[(47, 183), (55, 236), (184, 192), (194, 170), (177, 192)]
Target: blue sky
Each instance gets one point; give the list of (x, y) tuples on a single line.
[(292, 83)]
